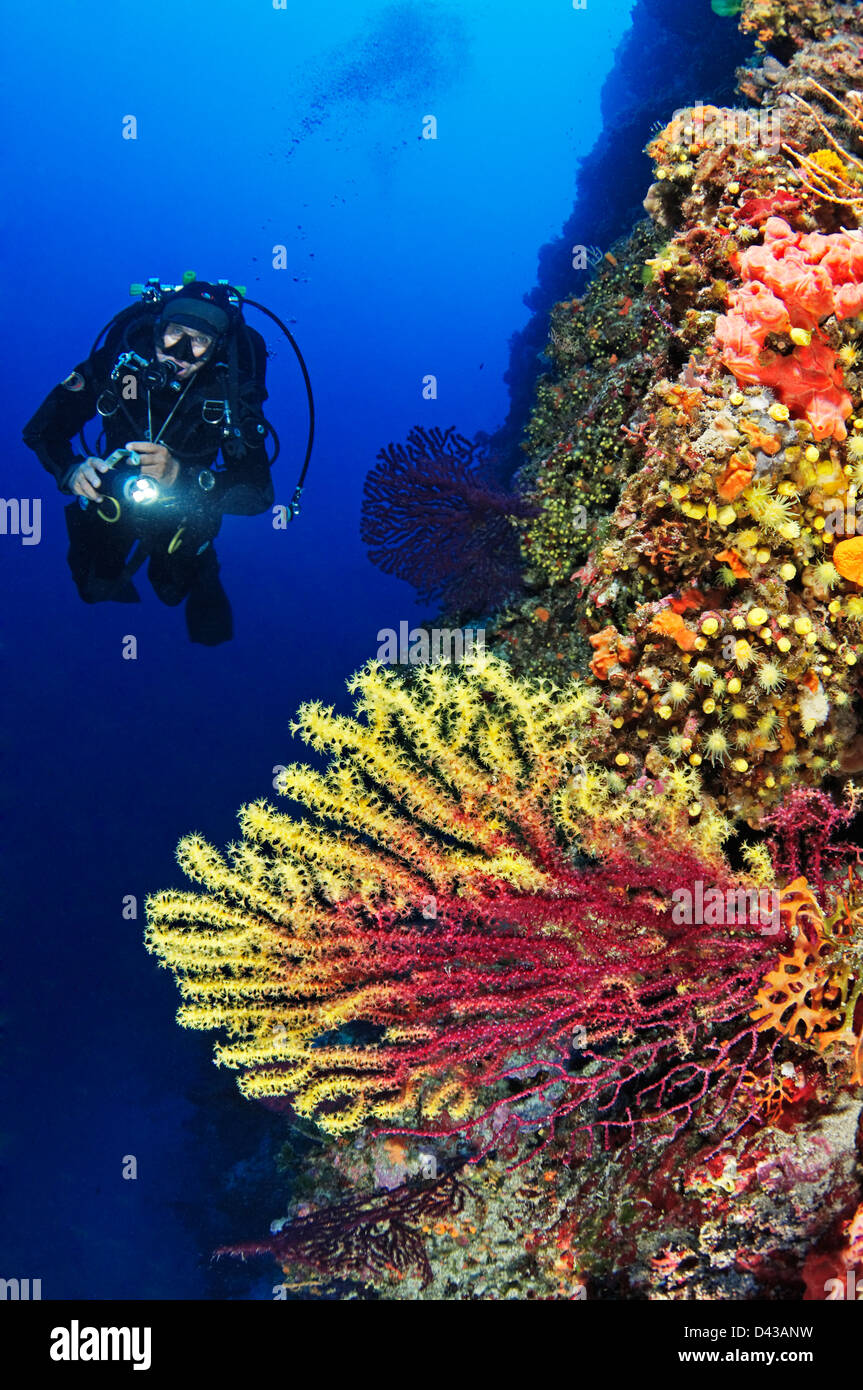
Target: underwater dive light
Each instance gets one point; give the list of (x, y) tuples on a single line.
[(143, 491), (137, 488)]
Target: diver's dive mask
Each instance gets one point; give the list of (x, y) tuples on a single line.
[(190, 337), (179, 348)]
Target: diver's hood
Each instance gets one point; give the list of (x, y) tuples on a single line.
[(200, 314)]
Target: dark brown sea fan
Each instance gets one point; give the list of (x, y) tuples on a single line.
[(434, 515)]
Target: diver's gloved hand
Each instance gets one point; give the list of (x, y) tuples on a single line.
[(157, 462), (85, 481)]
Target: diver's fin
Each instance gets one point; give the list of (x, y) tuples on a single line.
[(209, 619)]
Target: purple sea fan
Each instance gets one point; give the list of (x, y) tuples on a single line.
[(434, 515)]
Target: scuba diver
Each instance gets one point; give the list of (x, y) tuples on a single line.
[(180, 376)]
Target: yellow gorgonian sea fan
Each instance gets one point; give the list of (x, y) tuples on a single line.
[(381, 954)]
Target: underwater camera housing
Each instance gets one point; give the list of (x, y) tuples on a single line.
[(151, 375), (157, 376)]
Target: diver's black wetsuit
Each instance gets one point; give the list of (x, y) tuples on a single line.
[(182, 561)]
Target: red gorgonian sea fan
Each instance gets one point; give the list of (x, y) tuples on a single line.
[(434, 515), (471, 929), (801, 835)]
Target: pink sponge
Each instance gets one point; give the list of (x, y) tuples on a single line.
[(795, 280)]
